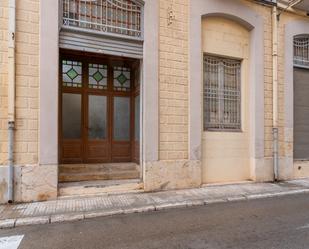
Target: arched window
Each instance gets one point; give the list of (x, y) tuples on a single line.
[(301, 51), (117, 17)]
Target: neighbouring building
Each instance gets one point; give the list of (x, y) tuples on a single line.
[(146, 95)]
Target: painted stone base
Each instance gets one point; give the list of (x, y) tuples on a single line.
[(163, 175), (31, 183), (301, 169), (264, 171)]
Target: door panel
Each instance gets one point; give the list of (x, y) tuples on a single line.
[(121, 145), (97, 149), (136, 141), (122, 119), (121, 152), (97, 117), (72, 151), (71, 127), (98, 152), (71, 107)]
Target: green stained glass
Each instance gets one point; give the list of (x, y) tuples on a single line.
[(98, 76), (72, 74), (122, 78)]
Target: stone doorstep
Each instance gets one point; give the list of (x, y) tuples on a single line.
[(96, 172), (92, 188)]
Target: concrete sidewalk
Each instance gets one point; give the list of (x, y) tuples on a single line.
[(80, 208)]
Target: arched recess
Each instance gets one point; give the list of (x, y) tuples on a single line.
[(226, 53), (298, 168), (245, 16)]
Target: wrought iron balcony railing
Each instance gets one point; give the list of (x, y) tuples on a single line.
[(301, 51), (116, 17)]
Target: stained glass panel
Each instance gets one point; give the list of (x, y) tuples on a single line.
[(71, 73), (97, 76), (122, 79)]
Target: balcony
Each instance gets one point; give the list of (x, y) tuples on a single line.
[(122, 18), (301, 51), (272, 2), (302, 5)]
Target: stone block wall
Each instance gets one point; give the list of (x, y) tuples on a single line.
[(3, 80), (31, 182), (173, 80), (27, 81)]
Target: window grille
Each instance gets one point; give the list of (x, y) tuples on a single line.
[(301, 51), (222, 94), (121, 17)]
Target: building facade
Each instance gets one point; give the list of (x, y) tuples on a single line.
[(148, 95)]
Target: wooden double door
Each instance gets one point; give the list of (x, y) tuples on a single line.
[(99, 109)]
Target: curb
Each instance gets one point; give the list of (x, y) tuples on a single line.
[(278, 194), (68, 217)]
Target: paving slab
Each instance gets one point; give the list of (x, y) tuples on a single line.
[(79, 208)]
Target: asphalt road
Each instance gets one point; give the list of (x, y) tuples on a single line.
[(268, 223)]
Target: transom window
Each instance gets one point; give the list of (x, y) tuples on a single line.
[(97, 76), (301, 51), (121, 17), (222, 93)]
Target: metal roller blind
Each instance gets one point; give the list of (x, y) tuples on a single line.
[(97, 43), (301, 113)]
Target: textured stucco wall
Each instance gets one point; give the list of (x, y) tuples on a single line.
[(226, 154)]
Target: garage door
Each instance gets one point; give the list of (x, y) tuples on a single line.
[(301, 113)]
